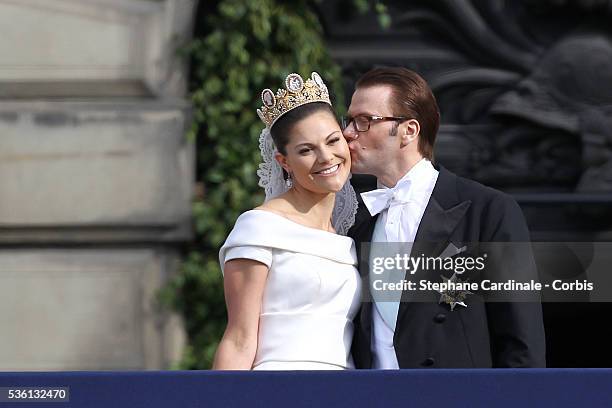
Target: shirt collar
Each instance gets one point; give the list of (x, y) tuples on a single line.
[(419, 176)]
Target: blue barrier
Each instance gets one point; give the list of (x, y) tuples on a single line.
[(514, 388)]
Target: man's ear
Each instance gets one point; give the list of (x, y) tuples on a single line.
[(282, 160), (410, 131)]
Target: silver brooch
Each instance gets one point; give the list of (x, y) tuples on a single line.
[(453, 297)]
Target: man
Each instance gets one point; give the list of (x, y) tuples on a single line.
[(391, 128)]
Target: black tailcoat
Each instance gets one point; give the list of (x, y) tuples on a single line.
[(484, 334)]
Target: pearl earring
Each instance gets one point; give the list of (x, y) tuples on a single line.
[(289, 181)]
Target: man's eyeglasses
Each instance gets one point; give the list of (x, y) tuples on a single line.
[(362, 122)]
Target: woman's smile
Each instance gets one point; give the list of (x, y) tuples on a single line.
[(329, 171)]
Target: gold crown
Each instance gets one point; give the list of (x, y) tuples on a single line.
[(298, 93)]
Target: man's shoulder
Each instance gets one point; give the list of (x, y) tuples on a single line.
[(468, 189), (497, 211)]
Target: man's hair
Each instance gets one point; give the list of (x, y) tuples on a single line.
[(411, 97)]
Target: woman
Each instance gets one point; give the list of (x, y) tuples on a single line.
[(291, 285)]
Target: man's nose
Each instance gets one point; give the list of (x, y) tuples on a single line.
[(349, 133)]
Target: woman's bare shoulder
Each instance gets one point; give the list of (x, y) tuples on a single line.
[(278, 205)]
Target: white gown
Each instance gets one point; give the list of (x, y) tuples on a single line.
[(311, 296)]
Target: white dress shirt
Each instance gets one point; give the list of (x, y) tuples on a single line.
[(399, 223)]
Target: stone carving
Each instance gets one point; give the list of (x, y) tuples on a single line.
[(525, 85)]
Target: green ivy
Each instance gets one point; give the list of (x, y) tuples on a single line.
[(251, 45)]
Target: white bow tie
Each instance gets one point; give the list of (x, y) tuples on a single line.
[(382, 198)]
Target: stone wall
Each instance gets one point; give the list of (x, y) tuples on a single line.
[(96, 179)]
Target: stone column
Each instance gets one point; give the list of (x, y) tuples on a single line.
[(96, 178)]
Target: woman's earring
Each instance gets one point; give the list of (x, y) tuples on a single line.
[(289, 181)]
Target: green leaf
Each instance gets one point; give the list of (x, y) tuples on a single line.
[(384, 20), (251, 45)]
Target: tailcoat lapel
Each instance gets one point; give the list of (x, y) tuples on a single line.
[(441, 217)]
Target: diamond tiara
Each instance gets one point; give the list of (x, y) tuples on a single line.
[(297, 93)]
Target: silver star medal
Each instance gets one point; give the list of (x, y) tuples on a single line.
[(453, 297)]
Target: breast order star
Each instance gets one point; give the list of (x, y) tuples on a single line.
[(453, 297)]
